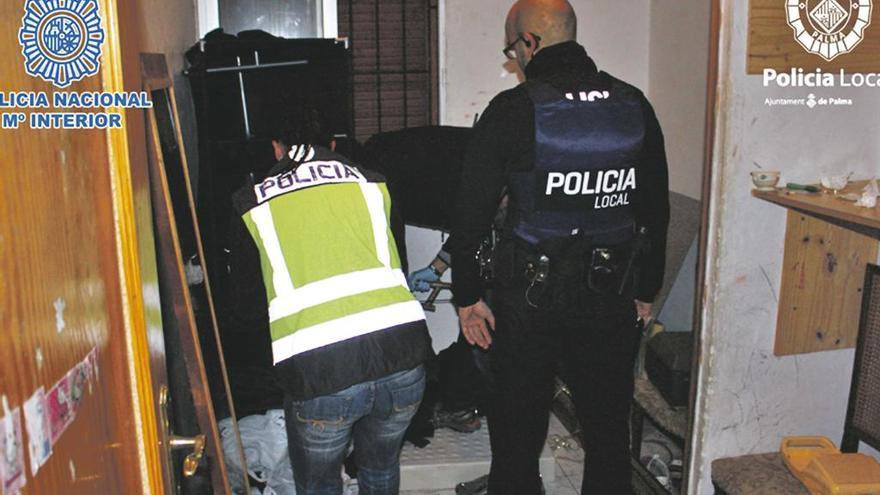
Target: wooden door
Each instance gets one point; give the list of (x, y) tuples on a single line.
[(79, 305)]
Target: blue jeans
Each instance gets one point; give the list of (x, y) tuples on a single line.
[(374, 414)]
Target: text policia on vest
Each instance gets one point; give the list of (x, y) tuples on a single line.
[(307, 175), (609, 186)]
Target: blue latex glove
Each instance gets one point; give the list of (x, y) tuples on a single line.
[(420, 281)]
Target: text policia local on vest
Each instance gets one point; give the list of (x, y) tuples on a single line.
[(609, 186)]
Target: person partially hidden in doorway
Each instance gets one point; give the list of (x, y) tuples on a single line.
[(462, 368), (348, 337)]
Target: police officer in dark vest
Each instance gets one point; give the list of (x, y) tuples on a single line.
[(581, 155)]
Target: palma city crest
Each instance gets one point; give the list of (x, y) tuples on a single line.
[(829, 28), (61, 40)]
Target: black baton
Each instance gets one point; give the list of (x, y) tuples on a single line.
[(638, 247)]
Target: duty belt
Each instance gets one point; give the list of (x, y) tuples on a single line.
[(536, 273), (608, 269)]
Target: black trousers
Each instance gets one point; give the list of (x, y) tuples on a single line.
[(462, 372), (595, 336)]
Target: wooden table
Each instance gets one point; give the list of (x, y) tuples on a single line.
[(826, 204), (828, 242)]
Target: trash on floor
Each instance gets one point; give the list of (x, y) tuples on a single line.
[(264, 439)]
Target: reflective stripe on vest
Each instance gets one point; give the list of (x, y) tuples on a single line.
[(346, 283)]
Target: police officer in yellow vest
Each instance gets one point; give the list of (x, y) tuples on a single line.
[(348, 338)]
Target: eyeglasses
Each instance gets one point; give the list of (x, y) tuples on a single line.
[(510, 53)]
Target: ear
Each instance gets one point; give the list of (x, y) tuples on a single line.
[(533, 42)]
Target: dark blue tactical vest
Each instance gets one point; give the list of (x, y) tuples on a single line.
[(585, 177)]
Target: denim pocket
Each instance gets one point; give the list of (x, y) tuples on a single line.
[(407, 397), (328, 410)]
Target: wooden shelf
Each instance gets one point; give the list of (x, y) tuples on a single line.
[(826, 205), (828, 242)]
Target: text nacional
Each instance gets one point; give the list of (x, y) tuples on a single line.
[(799, 78), (85, 99)]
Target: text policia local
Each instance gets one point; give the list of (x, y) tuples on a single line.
[(799, 78)]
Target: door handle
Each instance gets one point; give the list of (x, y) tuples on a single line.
[(196, 443), (192, 461)]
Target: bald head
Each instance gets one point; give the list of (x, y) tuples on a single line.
[(553, 20)]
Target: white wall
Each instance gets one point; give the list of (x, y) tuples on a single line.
[(749, 398), (614, 32), (207, 16), (422, 245), (678, 67)]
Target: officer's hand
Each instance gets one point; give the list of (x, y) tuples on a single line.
[(420, 281), (644, 311), (473, 320)]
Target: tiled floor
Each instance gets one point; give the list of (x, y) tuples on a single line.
[(569, 466)]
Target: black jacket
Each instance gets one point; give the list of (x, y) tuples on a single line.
[(504, 142)]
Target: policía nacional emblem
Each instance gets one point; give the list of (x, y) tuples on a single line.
[(829, 28), (61, 40)]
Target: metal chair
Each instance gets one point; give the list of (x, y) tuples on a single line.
[(766, 474), (649, 404)]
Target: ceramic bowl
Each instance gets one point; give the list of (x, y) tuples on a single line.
[(765, 180), (835, 182)]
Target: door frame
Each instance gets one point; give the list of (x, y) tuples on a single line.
[(134, 314), (208, 17), (693, 444)]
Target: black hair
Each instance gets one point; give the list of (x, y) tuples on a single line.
[(304, 126)]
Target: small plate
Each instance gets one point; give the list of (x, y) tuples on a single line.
[(765, 188)]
